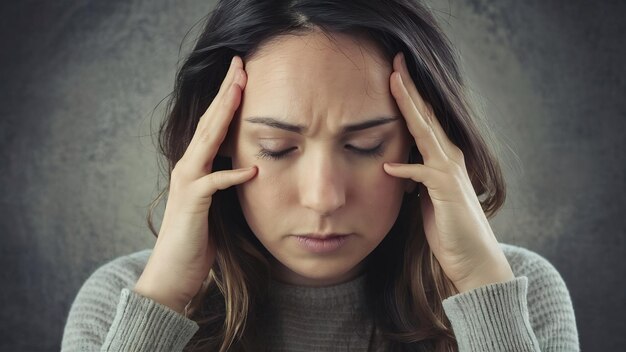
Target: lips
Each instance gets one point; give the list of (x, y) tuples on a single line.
[(323, 236), (322, 243)]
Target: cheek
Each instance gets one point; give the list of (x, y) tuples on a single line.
[(262, 200), (264, 189), (380, 194)]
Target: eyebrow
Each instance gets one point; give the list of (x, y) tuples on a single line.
[(300, 129)]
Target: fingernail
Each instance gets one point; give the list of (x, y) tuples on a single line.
[(232, 62), (402, 58)]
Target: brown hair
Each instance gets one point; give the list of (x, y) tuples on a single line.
[(413, 286)]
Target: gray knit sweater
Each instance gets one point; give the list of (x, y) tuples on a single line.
[(532, 312)]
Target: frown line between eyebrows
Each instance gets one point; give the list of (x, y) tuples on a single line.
[(300, 129)]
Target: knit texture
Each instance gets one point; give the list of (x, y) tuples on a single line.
[(532, 312), (320, 319)]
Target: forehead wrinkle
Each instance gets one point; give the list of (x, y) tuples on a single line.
[(376, 55), (295, 98)]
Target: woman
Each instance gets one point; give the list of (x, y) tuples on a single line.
[(325, 196)]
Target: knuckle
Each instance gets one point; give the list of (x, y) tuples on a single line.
[(204, 133), (177, 170), (176, 186), (178, 177), (457, 154), (183, 173), (213, 182)]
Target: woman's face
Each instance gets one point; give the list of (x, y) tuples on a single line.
[(301, 99)]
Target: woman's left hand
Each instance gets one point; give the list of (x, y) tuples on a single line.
[(456, 227)]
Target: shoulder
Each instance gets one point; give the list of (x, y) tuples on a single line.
[(94, 306), (525, 262), (107, 281), (543, 277), (122, 271), (520, 257), (550, 308)]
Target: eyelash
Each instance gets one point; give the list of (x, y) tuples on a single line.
[(268, 154)]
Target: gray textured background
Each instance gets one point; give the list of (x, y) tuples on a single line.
[(80, 80)]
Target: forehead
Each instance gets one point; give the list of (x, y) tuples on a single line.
[(299, 78)]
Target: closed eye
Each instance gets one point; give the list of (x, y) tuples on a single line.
[(376, 151), (275, 155), (270, 154)]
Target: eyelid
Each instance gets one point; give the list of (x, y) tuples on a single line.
[(369, 150), (271, 154), (367, 142), (272, 142), (377, 151)]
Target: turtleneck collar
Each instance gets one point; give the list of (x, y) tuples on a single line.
[(304, 318), (347, 293)]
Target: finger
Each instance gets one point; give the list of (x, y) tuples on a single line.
[(416, 172), (452, 151), (203, 189), (213, 125), (225, 88), (219, 180), (424, 107), (448, 147), (425, 138), (235, 63)]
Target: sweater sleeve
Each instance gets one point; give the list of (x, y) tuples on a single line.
[(532, 312), (107, 315)]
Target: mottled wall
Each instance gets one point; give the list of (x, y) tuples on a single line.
[(81, 85)]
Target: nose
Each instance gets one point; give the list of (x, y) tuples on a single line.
[(323, 188)]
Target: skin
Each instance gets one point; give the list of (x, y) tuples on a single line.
[(322, 185)]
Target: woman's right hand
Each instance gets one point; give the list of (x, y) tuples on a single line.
[(184, 252)]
